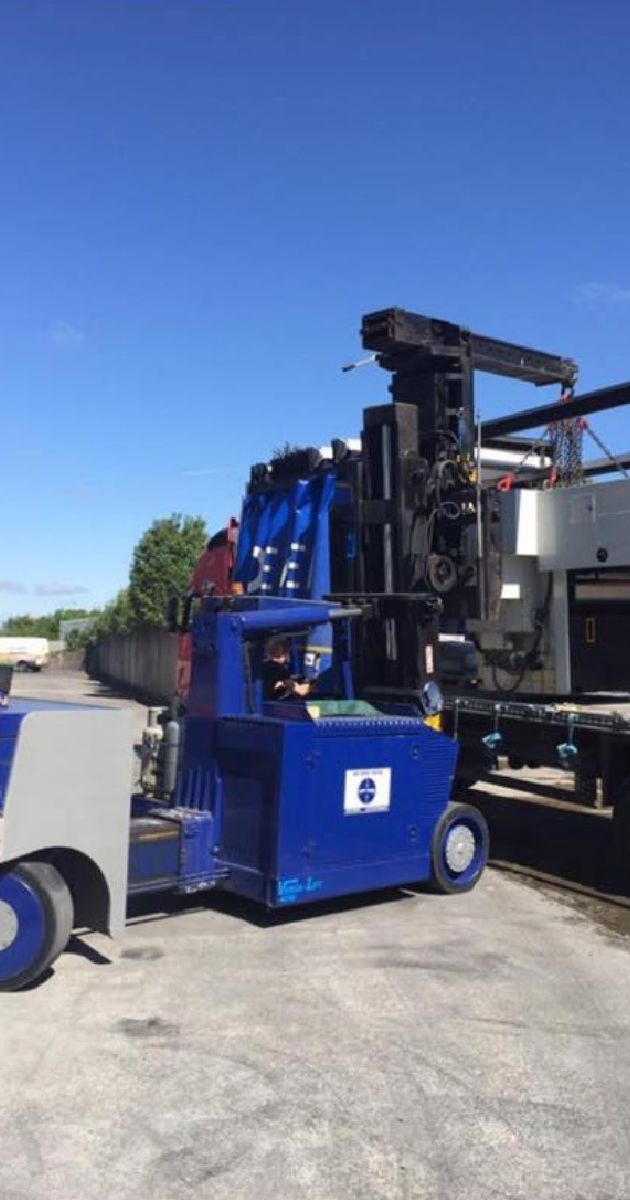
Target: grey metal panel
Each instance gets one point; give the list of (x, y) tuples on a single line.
[(69, 787), (560, 643), (575, 523), (519, 522)]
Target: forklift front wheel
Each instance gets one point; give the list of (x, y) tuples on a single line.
[(36, 919), (460, 849)]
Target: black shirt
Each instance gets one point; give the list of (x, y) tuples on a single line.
[(272, 674)]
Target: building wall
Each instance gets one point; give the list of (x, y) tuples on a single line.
[(144, 663)]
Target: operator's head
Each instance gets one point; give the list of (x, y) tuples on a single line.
[(277, 649)]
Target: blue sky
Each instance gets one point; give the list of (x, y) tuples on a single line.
[(199, 200)]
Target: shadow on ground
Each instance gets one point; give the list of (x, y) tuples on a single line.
[(576, 846), (107, 691), (142, 909)]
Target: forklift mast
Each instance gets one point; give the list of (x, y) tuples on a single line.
[(427, 522), (397, 521)]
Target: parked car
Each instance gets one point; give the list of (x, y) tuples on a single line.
[(24, 654)]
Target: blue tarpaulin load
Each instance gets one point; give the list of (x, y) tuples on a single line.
[(284, 547), (284, 544)]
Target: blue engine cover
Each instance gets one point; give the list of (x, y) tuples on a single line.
[(331, 806)]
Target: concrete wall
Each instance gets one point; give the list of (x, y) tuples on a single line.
[(66, 660), (144, 663)]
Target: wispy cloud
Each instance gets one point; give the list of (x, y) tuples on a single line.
[(62, 333), (194, 472), (601, 294), (9, 585), (60, 589)]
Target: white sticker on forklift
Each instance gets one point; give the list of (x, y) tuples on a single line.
[(367, 790)]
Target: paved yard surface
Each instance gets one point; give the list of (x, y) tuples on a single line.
[(410, 1047)]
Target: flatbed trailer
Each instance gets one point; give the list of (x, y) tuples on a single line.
[(590, 745)]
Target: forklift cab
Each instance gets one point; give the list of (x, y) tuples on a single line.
[(229, 637)]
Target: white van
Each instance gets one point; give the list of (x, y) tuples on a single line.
[(25, 654)]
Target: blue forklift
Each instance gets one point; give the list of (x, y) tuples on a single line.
[(282, 801)]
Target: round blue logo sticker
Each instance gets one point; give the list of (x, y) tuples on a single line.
[(367, 791)]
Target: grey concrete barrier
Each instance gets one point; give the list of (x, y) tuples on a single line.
[(143, 663), (66, 660)]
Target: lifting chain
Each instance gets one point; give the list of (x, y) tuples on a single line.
[(506, 483), (604, 449)]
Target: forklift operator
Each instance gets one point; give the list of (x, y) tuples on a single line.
[(278, 683)]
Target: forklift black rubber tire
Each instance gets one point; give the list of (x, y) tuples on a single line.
[(460, 849), (462, 788), (36, 920)]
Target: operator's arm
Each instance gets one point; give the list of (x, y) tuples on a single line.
[(300, 689)]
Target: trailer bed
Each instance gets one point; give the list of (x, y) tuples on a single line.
[(585, 741)]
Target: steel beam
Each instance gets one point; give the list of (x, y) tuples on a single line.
[(405, 341), (579, 406)]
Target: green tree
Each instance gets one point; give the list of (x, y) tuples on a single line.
[(78, 639), (25, 625), (115, 618), (162, 564)]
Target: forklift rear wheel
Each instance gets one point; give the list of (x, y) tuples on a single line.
[(459, 853), (36, 919)]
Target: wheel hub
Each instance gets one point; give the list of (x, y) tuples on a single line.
[(8, 926), (459, 849)]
